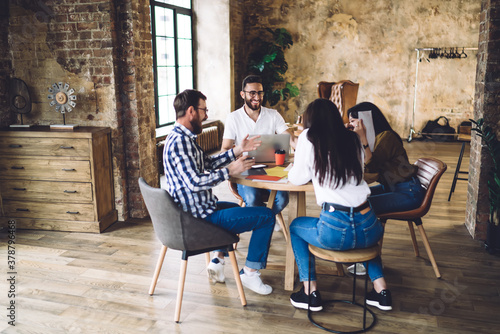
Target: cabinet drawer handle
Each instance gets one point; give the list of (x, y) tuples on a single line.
[(70, 191), (73, 212), (19, 189), (17, 167), (24, 210), (69, 169), (15, 146), (66, 147)]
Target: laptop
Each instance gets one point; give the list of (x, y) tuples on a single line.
[(270, 143)]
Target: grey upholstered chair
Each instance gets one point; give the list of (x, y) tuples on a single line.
[(179, 230)]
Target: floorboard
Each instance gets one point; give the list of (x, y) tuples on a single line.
[(98, 283)]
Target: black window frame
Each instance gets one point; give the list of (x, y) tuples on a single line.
[(176, 10)]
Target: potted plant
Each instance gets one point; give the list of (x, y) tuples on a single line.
[(268, 60), (492, 243)]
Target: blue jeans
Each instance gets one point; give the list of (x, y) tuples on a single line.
[(338, 230), (235, 219), (405, 196), (256, 197)]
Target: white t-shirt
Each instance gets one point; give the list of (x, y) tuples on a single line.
[(349, 194), (239, 124)]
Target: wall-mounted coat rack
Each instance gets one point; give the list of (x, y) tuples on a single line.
[(434, 53)]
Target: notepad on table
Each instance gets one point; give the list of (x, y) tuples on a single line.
[(264, 177)]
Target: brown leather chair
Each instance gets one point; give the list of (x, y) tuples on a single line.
[(429, 172), (343, 93), (180, 230)]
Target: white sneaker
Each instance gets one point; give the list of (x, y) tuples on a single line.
[(254, 283), (360, 269), (216, 271)]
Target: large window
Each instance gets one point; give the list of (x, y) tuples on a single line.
[(172, 54)]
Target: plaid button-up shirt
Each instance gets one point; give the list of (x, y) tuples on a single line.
[(191, 174)]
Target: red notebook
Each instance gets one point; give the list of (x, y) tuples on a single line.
[(264, 177)]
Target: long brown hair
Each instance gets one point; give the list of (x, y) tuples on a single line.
[(337, 151)]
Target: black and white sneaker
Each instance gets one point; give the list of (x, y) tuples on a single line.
[(216, 271), (301, 300), (382, 300)]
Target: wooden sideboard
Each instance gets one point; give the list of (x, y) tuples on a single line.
[(57, 179)]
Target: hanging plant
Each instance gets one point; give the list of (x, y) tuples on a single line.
[(267, 59)]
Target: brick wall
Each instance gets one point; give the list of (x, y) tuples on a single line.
[(102, 49), (487, 106), (136, 86), (5, 65)]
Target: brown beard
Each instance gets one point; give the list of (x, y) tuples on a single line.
[(197, 127), (249, 104)]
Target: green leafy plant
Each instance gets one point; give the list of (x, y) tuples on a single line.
[(268, 60), (493, 145)]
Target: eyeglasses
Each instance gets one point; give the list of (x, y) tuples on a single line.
[(204, 109), (254, 93)]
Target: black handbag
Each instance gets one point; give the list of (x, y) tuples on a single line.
[(435, 131)]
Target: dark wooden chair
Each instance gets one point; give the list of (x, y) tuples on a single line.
[(180, 230)]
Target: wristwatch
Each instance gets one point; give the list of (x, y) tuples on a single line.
[(365, 146)]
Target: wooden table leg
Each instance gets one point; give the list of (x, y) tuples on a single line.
[(270, 200), (296, 208)]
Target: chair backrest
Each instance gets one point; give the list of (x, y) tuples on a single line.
[(429, 172), (343, 94), (177, 229)]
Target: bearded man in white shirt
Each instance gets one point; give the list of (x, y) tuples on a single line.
[(253, 118)]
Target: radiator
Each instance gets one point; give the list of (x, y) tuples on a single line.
[(209, 139)]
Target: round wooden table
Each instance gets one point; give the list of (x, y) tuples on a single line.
[(296, 208)]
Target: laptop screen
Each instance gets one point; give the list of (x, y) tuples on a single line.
[(270, 143)]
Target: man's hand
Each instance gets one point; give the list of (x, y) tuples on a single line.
[(240, 165), (247, 145)]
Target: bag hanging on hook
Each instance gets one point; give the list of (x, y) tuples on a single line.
[(435, 131)]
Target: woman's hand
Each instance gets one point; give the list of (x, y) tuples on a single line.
[(360, 129)]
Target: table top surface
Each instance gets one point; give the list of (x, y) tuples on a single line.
[(288, 186)]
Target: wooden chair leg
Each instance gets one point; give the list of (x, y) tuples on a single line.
[(236, 272), (429, 250), (180, 290), (413, 238), (159, 264), (284, 227), (207, 261)]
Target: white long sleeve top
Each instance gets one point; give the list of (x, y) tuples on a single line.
[(349, 194)]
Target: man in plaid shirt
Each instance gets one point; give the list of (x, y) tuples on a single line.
[(191, 175)]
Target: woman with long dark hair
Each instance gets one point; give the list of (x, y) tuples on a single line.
[(399, 188), (332, 157)]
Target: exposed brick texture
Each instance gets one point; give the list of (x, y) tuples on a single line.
[(94, 46), (6, 117), (487, 106)]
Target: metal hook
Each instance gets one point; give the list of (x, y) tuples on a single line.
[(463, 53)]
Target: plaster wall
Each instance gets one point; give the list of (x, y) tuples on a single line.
[(213, 69), (373, 43)]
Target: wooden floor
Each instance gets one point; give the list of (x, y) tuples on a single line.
[(98, 283)]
